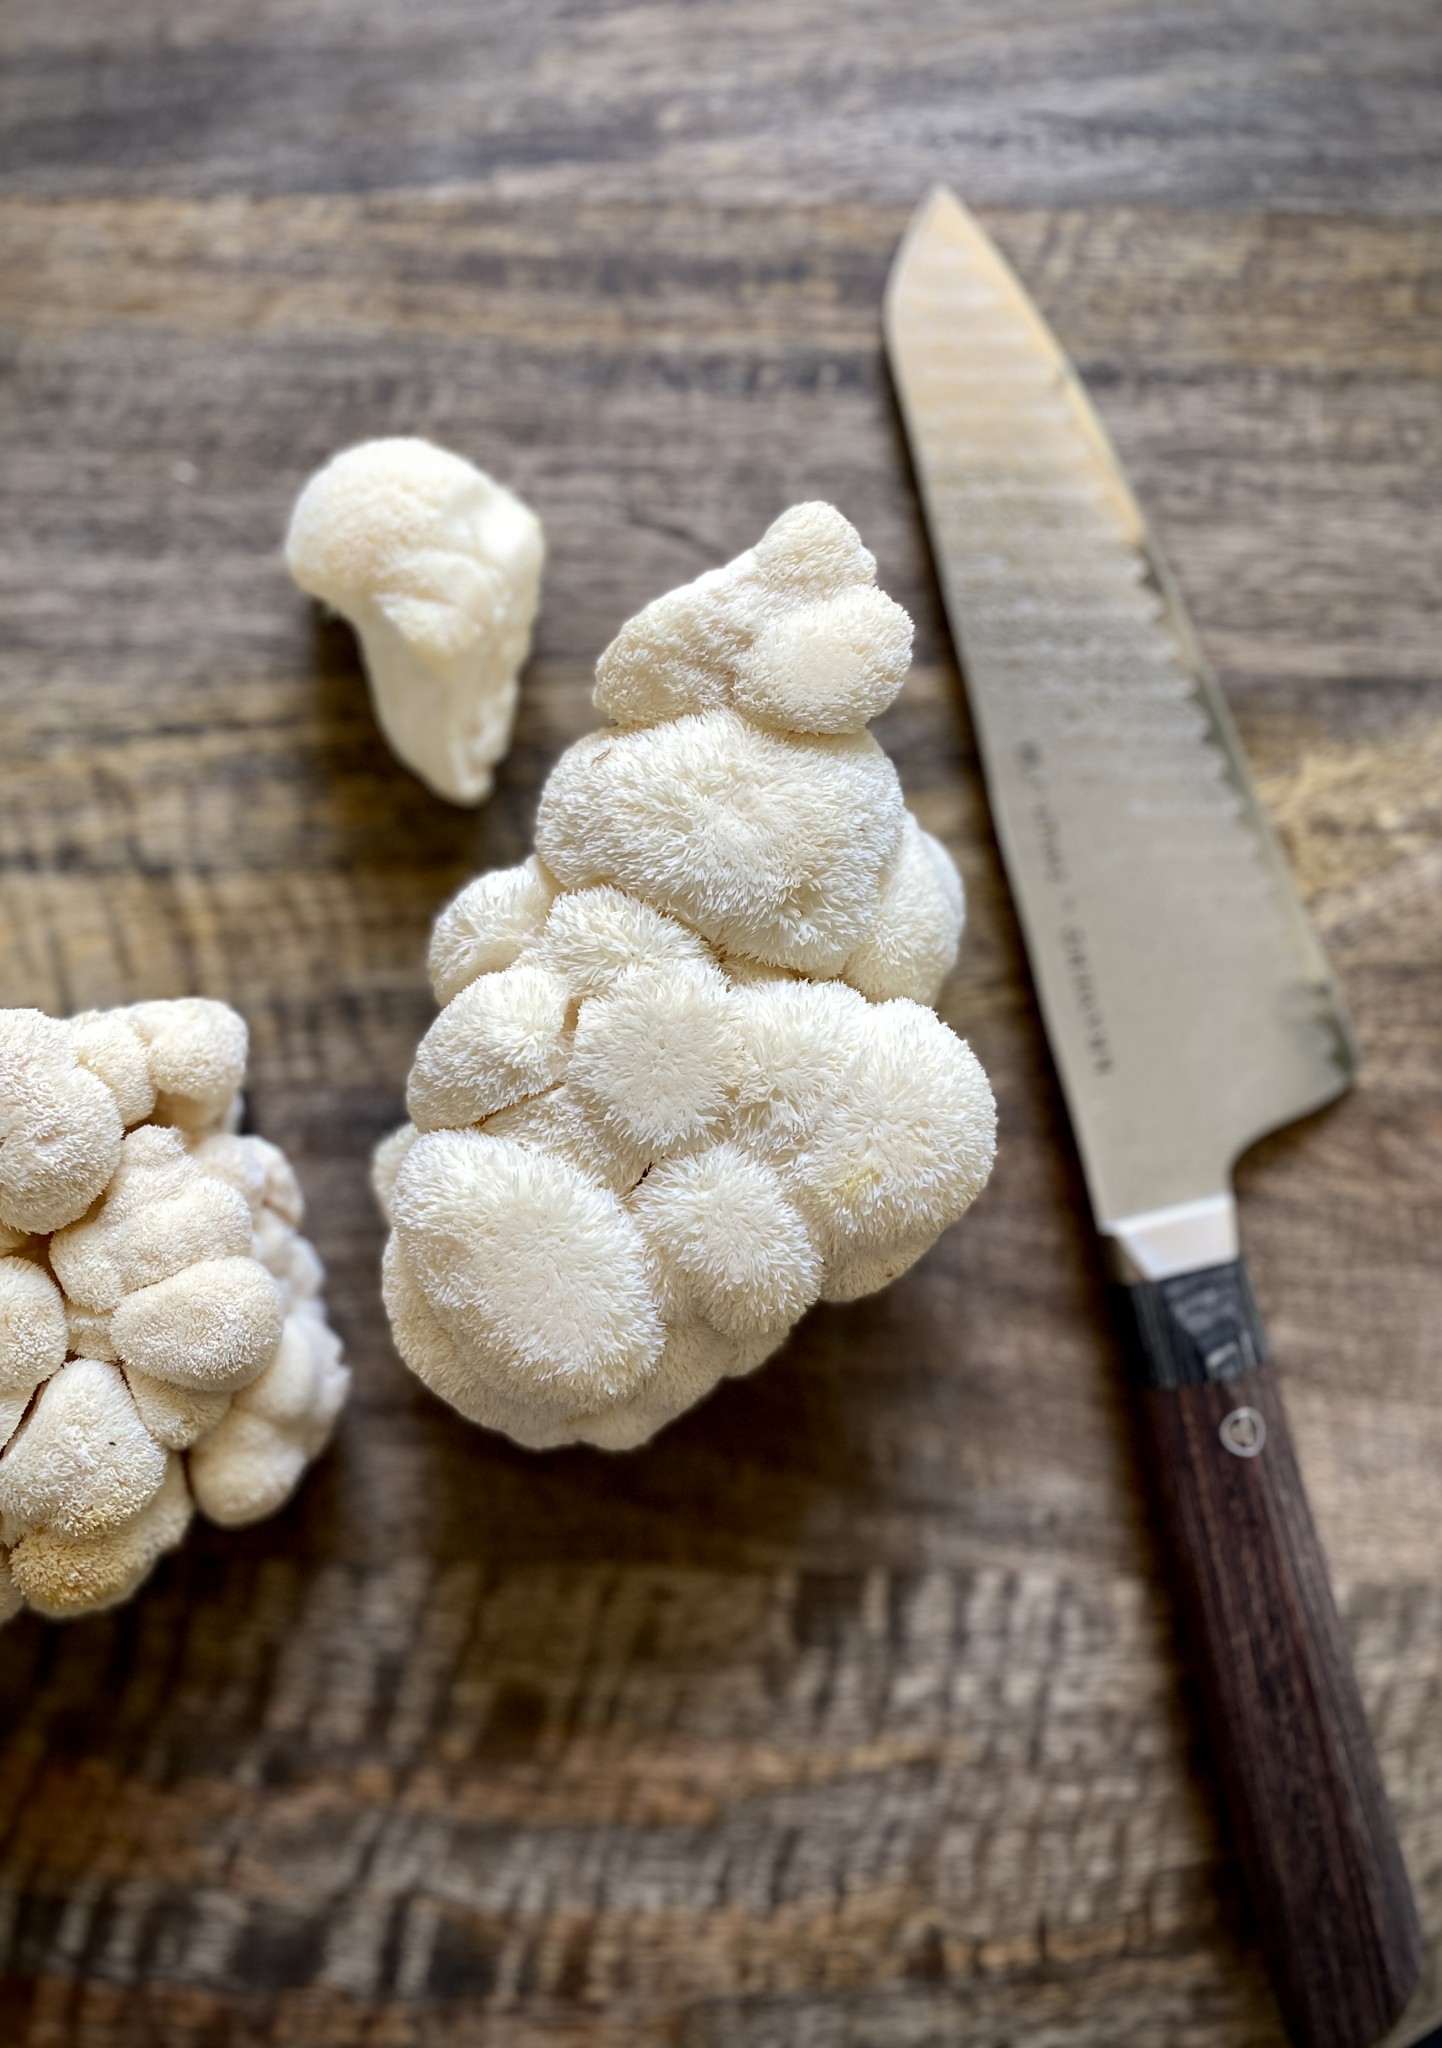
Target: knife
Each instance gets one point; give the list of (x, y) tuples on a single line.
[(1189, 1011)]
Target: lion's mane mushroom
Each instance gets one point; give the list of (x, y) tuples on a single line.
[(686, 1079), (438, 569), (163, 1342)]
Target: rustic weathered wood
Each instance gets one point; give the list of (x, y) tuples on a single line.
[(845, 1715), (1319, 103)]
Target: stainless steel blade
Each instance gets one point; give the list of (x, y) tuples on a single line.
[(1187, 1002)]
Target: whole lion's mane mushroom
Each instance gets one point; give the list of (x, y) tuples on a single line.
[(685, 1081), (162, 1336)]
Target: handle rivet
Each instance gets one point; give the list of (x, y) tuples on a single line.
[(1243, 1432)]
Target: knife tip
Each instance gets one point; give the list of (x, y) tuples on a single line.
[(923, 218), (938, 211)]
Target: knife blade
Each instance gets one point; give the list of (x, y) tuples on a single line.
[(1189, 1011)]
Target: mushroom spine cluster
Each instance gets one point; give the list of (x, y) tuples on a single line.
[(163, 1342), (685, 1079)]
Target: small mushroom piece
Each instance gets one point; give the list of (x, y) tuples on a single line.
[(438, 569)]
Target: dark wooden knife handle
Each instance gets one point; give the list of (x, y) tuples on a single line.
[(1300, 1776)]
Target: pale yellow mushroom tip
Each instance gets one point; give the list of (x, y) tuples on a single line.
[(62, 1576), (794, 633), (438, 569), (195, 1052), (684, 1081), (162, 1334)]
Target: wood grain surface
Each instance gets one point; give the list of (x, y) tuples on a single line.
[(846, 1715)]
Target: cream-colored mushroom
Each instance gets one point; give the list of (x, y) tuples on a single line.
[(794, 633), (61, 1576), (160, 1213), (683, 1081), (82, 1462), (501, 1039), (160, 1315), (60, 1128), (108, 1044), (522, 1258), (912, 946), (33, 1337), (487, 925), (438, 568), (769, 844), (195, 1050), (248, 1465)]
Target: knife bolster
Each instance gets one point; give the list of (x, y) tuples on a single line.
[(1192, 1328)]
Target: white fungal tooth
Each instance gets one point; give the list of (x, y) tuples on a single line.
[(260, 1171), (108, 1044), (150, 1282), (912, 946), (61, 1575), (488, 925), (195, 1050), (386, 1164), (524, 1256), (87, 1332), (768, 844), (695, 1359), (793, 632), (657, 1054), (680, 653), (290, 1261), (248, 1464), (83, 1462), (812, 552), (33, 1333), (564, 1122), (438, 568), (905, 1147), (13, 1403), (798, 1042), (501, 1039), (60, 1127), (827, 667), (722, 1097), (593, 936), (213, 1326), (176, 1416), (160, 1214), (729, 1248)]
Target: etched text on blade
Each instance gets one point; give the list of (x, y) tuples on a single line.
[(1188, 1007)]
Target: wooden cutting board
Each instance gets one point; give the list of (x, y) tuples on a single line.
[(846, 1714)]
